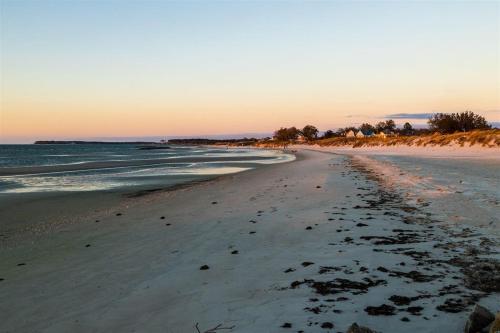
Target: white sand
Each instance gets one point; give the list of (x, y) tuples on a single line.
[(461, 183), (140, 275), (451, 151)]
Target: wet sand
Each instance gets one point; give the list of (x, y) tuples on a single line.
[(30, 215), (320, 242)]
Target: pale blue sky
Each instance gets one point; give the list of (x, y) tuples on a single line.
[(227, 67)]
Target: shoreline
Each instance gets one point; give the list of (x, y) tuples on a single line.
[(336, 218), (48, 211), (47, 169)]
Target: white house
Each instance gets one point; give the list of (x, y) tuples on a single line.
[(360, 134), (385, 133), (301, 138)]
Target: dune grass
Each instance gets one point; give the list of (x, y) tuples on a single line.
[(483, 138)]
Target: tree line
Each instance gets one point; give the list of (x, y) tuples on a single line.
[(457, 122), (444, 123)]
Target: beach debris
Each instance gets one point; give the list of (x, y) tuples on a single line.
[(405, 319), (414, 310), (118, 214), (21, 264), (315, 310), (413, 275), (252, 232), (286, 325), (400, 300), (215, 329), (309, 228), (318, 186), (289, 270), (339, 285), (327, 324), (307, 263), (88, 245), (455, 305), (401, 238), (214, 202), (381, 310), (329, 269), (355, 328), (204, 267), (235, 252), (483, 275), (479, 273), (478, 319), (162, 217)]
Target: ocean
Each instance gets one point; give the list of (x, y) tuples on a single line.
[(100, 167)]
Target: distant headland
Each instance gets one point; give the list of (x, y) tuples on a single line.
[(54, 142)]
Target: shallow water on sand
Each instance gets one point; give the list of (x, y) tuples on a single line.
[(92, 167)]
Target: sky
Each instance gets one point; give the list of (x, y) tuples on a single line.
[(95, 69)]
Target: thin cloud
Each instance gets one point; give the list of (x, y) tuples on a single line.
[(408, 116)]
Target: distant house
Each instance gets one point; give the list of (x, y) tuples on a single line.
[(350, 134), (301, 138), (389, 133), (385, 133), (360, 134)]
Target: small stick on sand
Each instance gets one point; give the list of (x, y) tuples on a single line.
[(215, 329)]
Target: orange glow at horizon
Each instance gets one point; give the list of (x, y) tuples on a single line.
[(80, 119)]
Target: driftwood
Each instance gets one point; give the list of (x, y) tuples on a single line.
[(215, 329)]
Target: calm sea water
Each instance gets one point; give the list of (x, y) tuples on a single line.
[(168, 172)]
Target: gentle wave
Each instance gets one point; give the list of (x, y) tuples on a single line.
[(106, 172)]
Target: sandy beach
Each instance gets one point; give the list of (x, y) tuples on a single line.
[(312, 245)]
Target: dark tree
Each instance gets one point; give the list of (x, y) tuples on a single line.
[(286, 134), (388, 125), (293, 133), (328, 134), (281, 134), (407, 129), (380, 126), (310, 132), (454, 122), (367, 128), (468, 121)]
